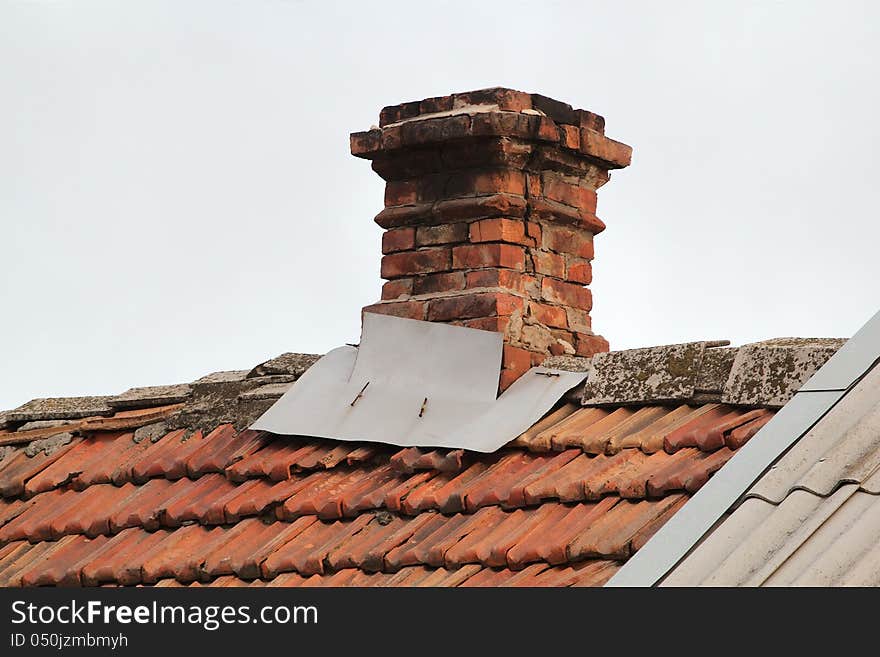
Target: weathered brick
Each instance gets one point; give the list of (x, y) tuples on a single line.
[(587, 119), (406, 309), (555, 109), (463, 209), (507, 379), (533, 230), (504, 124), (611, 153), (571, 137), (403, 215), (432, 283), (575, 196), (442, 234), (578, 320), (392, 137), (364, 143), (506, 99), (566, 294), (549, 315), (398, 239), (408, 263), (400, 112), (563, 239), (437, 104), (504, 278), (474, 256), (500, 230), (533, 184), (566, 339), (548, 263), (401, 287), (578, 270), (401, 192), (430, 131), (587, 345), (467, 306), (498, 324), (492, 181), (514, 358), (537, 359)]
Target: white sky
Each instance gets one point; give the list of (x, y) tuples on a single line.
[(177, 194)]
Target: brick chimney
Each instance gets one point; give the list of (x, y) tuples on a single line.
[(489, 217)]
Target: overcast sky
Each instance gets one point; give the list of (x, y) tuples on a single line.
[(177, 195)]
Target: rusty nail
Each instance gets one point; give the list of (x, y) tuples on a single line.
[(360, 394)]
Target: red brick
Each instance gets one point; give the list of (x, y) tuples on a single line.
[(575, 196), (506, 99), (579, 320), (475, 256), (398, 239), (587, 119), (437, 104), (547, 129), (514, 358), (556, 349), (365, 142), (392, 137), (497, 324), (506, 278), (611, 153), (567, 294), (494, 181), (500, 230), (587, 345), (462, 209), (548, 263), (578, 271), (571, 137), (442, 234), (507, 379), (533, 184), (407, 309), (537, 359), (533, 230), (503, 124), (432, 283), (468, 306), (548, 315), (402, 287), (395, 113), (401, 192), (568, 240), (566, 336), (434, 130), (408, 263)]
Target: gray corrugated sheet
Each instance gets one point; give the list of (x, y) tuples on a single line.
[(799, 503), (843, 447), (807, 540)]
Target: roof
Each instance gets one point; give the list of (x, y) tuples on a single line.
[(812, 517), (166, 486)]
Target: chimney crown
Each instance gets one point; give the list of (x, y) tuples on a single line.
[(490, 206)]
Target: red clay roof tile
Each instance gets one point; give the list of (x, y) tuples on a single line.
[(231, 509)]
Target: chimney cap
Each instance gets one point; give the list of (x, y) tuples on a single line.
[(494, 112)]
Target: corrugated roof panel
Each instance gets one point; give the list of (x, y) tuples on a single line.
[(843, 446), (750, 545)]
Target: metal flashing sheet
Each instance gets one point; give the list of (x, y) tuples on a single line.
[(413, 383)]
